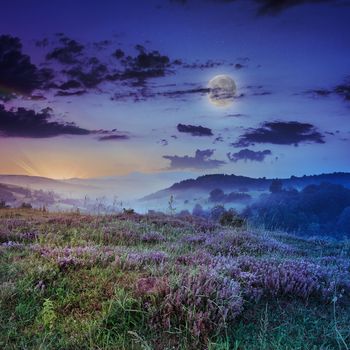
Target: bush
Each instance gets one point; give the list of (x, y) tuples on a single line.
[(317, 209), (199, 211), (217, 195), (287, 278), (122, 314), (276, 186), (128, 211), (216, 212), (3, 205), (25, 205), (200, 305), (152, 237), (344, 221), (231, 218)]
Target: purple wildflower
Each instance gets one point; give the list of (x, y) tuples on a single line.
[(152, 237), (203, 302)]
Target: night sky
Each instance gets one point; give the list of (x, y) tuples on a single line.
[(101, 88)]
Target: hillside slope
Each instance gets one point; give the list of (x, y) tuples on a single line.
[(128, 281)]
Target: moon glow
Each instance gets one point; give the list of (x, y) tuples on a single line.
[(222, 90)]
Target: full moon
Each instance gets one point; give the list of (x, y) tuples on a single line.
[(222, 90)]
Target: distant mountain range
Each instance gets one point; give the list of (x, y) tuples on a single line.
[(132, 187), (229, 183), (41, 183), (11, 193), (16, 195)]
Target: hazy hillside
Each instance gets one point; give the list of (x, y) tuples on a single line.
[(131, 186), (126, 187), (10, 193), (14, 196), (42, 183), (124, 191), (207, 183)]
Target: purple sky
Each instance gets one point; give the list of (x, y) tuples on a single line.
[(128, 73)]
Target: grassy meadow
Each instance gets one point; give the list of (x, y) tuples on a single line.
[(129, 281)]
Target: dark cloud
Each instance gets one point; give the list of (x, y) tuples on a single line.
[(256, 90), (247, 154), (42, 43), (17, 73), (262, 93), (319, 92), (118, 54), (145, 65), (202, 65), (144, 93), (150, 60), (163, 142), (83, 72), (201, 160), (342, 90), (239, 66), (70, 84), (71, 93), (182, 2), (194, 130), (69, 52), (280, 133), (268, 7), (277, 6), (235, 115), (149, 64), (137, 74), (178, 93), (28, 123), (115, 137), (31, 124), (218, 139), (102, 44), (37, 98), (89, 75)]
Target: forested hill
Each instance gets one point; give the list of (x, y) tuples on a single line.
[(209, 182), (244, 183)]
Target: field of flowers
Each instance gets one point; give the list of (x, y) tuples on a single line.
[(129, 281)]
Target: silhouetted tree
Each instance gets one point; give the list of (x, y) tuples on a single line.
[(198, 211), (316, 210), (231, 218), (3, 204), (26, 206), (344, 221), (276, 186), (217, 195), (216, 212)]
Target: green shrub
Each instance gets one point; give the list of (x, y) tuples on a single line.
[(231, 218), (48, 314)]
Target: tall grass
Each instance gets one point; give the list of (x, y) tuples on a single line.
[(127, 281)]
